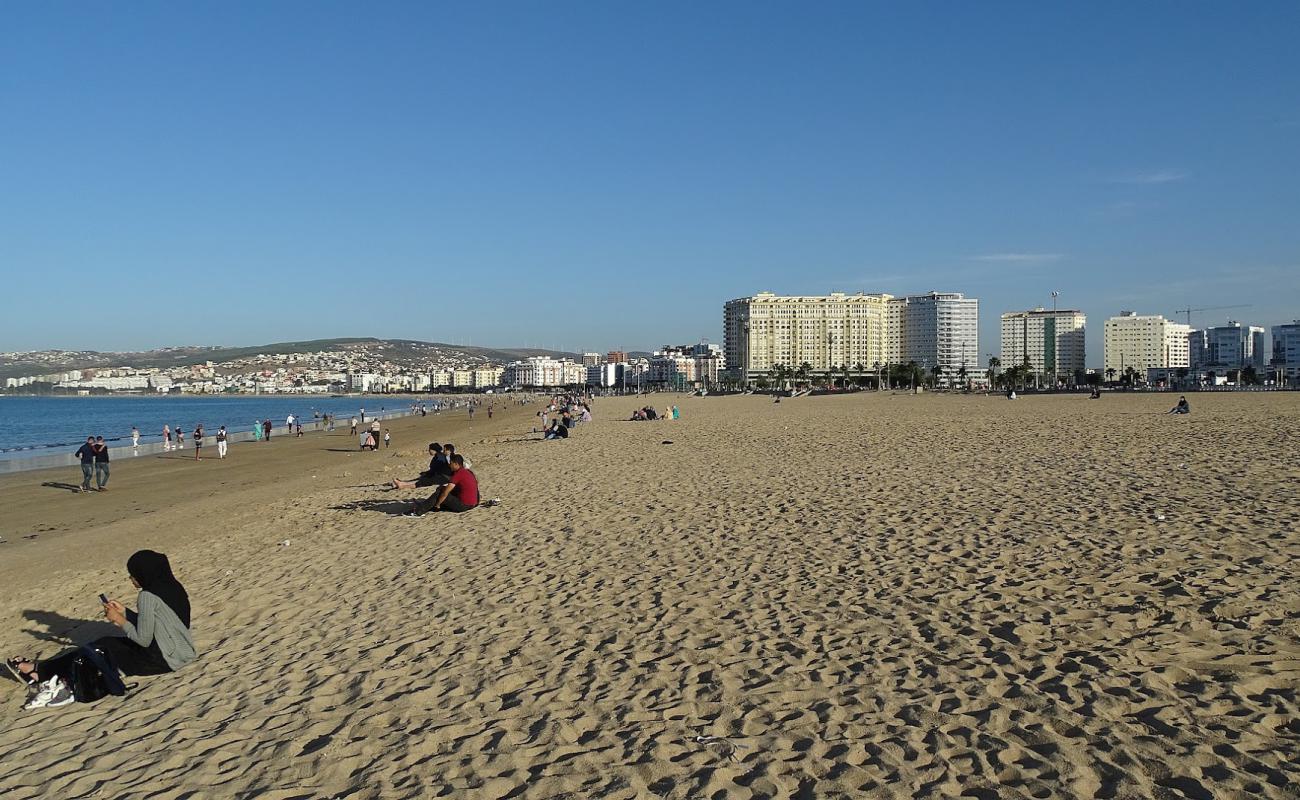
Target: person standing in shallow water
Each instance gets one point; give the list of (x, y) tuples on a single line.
[(198, 442)]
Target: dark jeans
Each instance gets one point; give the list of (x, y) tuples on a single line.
[(452, 503), (87, 470), (101, 474), (132, 659)]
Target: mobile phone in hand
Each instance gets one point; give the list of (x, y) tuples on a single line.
[(103, 598)]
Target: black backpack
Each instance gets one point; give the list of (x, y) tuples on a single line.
[(92, 677)]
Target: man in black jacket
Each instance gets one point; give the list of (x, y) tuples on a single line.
[(438, 473), (87, 456)]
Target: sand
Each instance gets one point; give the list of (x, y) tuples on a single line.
[(863, 596)]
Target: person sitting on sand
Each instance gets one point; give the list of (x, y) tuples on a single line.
[(557, 431), (1183, 406), (458, 495), (436, 475), (157, 639), (1096, 393)]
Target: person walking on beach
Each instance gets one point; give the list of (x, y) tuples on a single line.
[(354, 426), (180, 438), (288, 422), (198, 442), (221, 442), (257, 430), (266, 430), (87, 455), (101, 464), (376, 430), (135, 436), (167, 438)]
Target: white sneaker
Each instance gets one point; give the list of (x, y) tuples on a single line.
[(53, 694)]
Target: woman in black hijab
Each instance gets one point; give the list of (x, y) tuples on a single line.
[(158, 634)]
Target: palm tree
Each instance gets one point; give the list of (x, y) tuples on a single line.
[(804, 369), (1110, 374), (937, 372), (961, 375), (994, 363), (859, 369)]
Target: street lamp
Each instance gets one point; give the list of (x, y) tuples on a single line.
[(744, 364), (1056, 354)]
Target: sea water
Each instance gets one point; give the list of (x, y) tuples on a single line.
[(33, 426)]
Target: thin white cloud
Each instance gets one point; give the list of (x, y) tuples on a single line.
[(1018, 258), (1152, 177)]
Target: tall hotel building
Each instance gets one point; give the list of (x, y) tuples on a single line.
[(840, 330), (1052, 342), (1143, 343)]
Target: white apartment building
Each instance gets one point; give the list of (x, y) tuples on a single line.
[(936, 329), (827, 333), (543, 371), (1052, 342), (592, 359), (1143, 342)]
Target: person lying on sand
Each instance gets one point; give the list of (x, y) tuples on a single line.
[(157, 637), (459, 494), (436, 475)]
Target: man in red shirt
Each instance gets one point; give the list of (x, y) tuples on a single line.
[(459, 494)]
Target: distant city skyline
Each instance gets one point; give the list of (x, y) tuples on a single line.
[(593, 177)]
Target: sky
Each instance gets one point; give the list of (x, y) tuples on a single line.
[(593, 176)]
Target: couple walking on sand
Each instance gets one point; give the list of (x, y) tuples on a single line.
[(94, 461)]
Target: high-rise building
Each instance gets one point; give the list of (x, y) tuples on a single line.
[(1051, 342), (1227, 347), (859, 331), (615, 357), (766, 331), (939, 329), (1143, 342), (1284, 365)]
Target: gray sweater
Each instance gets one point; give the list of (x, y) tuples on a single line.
[(155, 621)]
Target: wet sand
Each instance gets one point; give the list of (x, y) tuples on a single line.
[(861, 596)]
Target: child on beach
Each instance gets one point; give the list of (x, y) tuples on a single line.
[(388, 438), (180, 438), (135, 436), (167, 438)]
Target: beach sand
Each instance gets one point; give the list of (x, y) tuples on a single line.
[(860, 596)]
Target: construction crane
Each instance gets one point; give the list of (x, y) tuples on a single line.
[(1188, 311)]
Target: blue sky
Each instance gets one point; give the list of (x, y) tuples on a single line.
[(592, 176)]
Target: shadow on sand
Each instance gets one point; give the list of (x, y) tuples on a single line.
[(379, 506), (71, 487), (56, 628)]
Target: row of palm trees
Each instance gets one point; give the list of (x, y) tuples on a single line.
[(910, 375)]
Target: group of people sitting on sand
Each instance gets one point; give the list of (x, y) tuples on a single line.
[(649, 412), (455, 487), (156, 640), (564, 413)]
